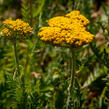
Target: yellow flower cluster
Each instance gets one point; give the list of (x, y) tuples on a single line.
[(68, 29), (6, 32), (14, 28)]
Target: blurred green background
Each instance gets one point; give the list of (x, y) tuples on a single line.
[(45, 69)]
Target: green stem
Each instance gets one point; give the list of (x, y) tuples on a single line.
[(73, 62), (20, 77), (16, 58), (72, 66)]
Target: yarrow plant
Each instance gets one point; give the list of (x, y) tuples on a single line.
[(16, 30), (67, 30)]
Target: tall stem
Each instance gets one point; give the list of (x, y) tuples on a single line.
[(72, 66), (20, 78), (16, 58), (73, 62)]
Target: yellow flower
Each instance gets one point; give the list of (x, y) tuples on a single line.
[(15, 29), (69, 29)]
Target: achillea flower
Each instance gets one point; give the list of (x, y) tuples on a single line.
[(16, 29), (69, 29)]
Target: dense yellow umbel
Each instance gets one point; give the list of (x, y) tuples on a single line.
[(15, 27), (68, 29)]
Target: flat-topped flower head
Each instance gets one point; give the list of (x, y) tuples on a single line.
[(68, 29), (16, 29)]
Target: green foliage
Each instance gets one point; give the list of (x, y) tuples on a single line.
[(45, 69)]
